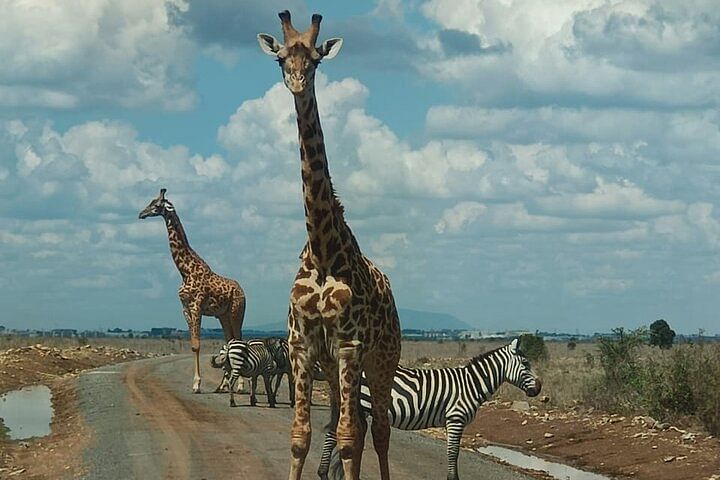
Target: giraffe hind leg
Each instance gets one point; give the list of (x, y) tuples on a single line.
[(349, 429), (380, 382)]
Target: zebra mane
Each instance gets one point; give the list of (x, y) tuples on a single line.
[(479, 358)]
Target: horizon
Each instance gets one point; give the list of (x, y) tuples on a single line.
[(499, 162)]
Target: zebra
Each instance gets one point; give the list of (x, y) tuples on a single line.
[(249, 359), (280, 351), (449, 397)]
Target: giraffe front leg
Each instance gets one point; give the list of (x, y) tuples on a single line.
[(193, 318), (348, 431), (301, 431), (454, 429)]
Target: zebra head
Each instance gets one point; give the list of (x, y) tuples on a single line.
[(519, 372), (217, 361)]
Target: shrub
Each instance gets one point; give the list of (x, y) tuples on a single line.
[(533, 346), (669, 386), (571, 345)]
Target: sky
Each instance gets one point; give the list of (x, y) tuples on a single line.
[(534, 164)]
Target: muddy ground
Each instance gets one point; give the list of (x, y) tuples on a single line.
[(623, 447), (57, 368)]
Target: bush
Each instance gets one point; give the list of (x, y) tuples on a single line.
[(533, 346), (681, 383), (571, 345), (618, 387)]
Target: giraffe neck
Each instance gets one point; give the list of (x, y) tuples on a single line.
[(185, 258), (328, 233)]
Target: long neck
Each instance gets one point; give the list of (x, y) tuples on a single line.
[(487, 373), (324, 219), (183, 255)]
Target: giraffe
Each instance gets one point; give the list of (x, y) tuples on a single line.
[(203, 292), (342, 310)]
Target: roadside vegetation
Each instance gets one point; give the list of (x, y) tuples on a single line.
[(637, 372)]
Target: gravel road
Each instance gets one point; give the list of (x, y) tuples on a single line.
[(146, 424)]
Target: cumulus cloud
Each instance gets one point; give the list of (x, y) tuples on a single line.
[(580, 51), (60, 54)]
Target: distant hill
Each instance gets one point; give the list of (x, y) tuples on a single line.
[(422, 320), (415, 319)]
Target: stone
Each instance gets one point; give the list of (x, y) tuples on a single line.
[(520, 406)]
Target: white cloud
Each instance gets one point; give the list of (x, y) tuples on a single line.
[(68, 54), (637, 50), (618, 200), (464, 213)]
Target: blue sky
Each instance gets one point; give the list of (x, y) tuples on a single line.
[(518, 164)]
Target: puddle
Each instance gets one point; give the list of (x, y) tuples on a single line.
[(556, 470), (26, 413)]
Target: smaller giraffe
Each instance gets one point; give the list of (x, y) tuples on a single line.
[(203, 292)]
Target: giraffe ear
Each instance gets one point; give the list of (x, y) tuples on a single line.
[(330, 48), (269, 44)]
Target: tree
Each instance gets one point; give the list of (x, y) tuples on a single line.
[(661, 335), (533, 346)]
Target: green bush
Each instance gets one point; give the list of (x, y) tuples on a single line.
[(668, 386), (533, 346)]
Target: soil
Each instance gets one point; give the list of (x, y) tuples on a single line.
[(617, 446), (622, 447), (60, 453)]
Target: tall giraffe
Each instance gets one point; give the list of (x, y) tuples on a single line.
[(342, 310), (203, 292)]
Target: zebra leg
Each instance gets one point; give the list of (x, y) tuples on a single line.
[(380, 383), (231, 383), (327, 453), (454, 429), (278, 379), (253, 389), (330, 436), (224, 382), (267, 379)]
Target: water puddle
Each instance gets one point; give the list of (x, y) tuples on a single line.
[(26, 413), (556, 470)]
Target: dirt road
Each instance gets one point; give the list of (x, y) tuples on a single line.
[(146, 424)]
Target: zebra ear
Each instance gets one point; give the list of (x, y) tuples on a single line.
[(514, 346)]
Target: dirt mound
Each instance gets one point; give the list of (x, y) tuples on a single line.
[(41, 364)]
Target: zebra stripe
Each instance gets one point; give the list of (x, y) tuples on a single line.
[(250, 360), (449, 397)]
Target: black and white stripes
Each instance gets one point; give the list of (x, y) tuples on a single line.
[(448, 397), (249, 359)]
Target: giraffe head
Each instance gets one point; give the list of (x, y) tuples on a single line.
[(519, 372), (158, 206), (299, 56)]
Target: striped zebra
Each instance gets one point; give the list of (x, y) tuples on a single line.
[(443, 397), (249, 359)]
